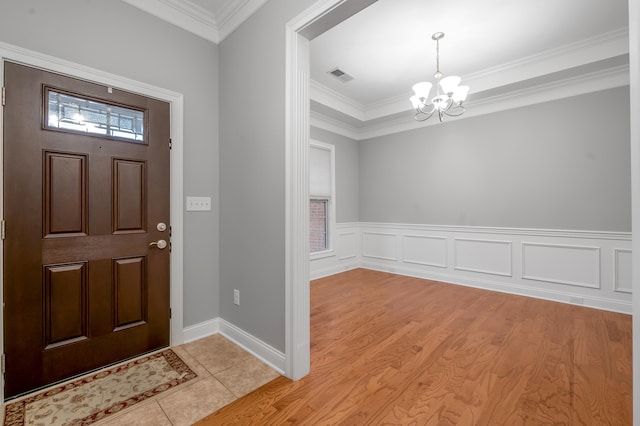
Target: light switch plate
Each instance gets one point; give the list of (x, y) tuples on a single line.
[(198, 204)]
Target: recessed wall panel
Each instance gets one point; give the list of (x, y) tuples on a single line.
[(423, 250), (65, 294), (65, 199), (485, 256), (347, 246), (562, 264), (623, 266), (129, 196), (130, 291), (379, 245)]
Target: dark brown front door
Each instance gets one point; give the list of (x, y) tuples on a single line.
[(86, 190)]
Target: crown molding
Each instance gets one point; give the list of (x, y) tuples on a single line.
[(601, 47), (336, 100), (183, 14), (198, 20), (574, 86), (593, 49), (234, 13), (332, 125)]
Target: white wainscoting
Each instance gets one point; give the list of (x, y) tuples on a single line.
[(491, 257), (344, 256), (379, 245), (425, 250), (622, 270), (561, 264), (580, 267)]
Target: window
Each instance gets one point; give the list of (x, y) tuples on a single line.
[(322, 199), (319, 230), (72, 113)]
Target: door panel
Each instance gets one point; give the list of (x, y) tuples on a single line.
[(65, 183), (130, 291), (82, 287), (65, 299), (129, 207)]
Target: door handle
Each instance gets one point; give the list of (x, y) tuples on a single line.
[(161, 244)]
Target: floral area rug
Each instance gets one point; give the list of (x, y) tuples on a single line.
[(92, 398)]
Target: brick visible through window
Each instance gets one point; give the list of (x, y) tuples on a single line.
[(318, 225)]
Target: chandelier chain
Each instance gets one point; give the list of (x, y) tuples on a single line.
[(438, 74)]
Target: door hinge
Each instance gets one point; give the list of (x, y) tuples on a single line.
[(169, 143), (3, 364), (2, 229), (3, 96), (169, 313)]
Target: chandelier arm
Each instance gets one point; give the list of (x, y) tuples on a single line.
[(450, 104), (423, 115), (457, 111), (422, 108)]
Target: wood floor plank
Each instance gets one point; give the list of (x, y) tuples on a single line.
[(388, 349)]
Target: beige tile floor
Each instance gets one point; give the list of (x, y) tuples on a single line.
[(225, 373)]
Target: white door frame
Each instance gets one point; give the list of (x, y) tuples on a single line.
[(49, 63)]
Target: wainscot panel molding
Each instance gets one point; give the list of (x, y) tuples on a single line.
[(264, 352), (486, 256), (380, 245), (622, 272), (425, 250), (346, 252), (561, 264), (589, 268)]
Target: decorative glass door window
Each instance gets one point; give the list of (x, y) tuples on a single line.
[(71, 113)]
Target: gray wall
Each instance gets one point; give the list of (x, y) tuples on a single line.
[(559, 165), (120, 39), (347, 171), (252, 172)]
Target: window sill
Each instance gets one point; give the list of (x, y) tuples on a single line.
[(322, 254)]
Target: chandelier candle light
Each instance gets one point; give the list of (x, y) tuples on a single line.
[(449, 95)]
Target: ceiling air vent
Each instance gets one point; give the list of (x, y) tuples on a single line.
[(340, 75)]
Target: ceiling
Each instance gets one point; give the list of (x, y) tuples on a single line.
[(511, 53)]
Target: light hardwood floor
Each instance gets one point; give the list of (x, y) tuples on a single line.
[(389, 349)]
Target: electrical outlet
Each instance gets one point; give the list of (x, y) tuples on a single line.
[(236, 297), (576, 300)]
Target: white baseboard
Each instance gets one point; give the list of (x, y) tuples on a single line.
[(203, 329), (261, 350), (332, 270), (264, 352), (519, 290)]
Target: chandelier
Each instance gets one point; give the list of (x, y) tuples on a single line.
[(449, 95)]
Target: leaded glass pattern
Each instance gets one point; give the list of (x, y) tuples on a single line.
[(72, 113)]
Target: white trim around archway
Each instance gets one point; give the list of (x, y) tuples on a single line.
[(297, 128)]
